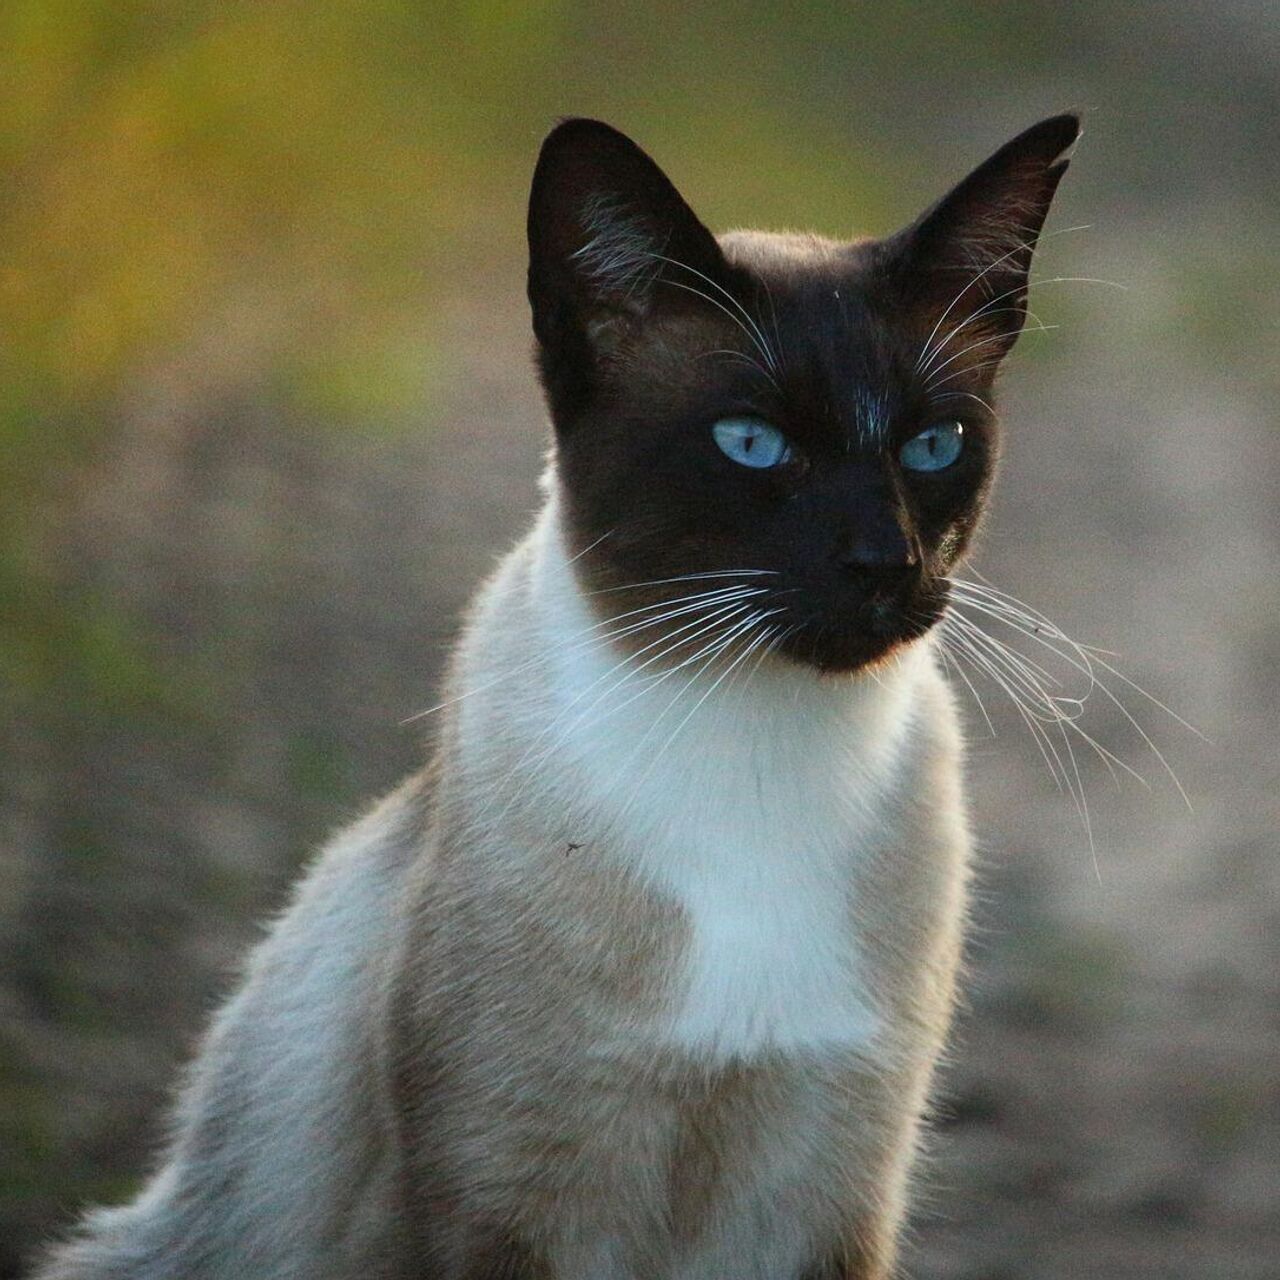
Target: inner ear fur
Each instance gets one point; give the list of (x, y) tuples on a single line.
[(606, 228)]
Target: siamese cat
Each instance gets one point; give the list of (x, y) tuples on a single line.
[(646, 975)]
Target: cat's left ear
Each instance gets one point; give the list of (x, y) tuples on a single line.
[(605, 226), (970, 254)]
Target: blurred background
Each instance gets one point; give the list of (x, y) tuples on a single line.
[(267, 413)]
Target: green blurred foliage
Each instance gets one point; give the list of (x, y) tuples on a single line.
[(163, 159)]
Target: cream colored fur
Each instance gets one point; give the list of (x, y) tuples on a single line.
[(589, 1000)]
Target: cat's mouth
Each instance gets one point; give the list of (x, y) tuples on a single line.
[(862, 636)]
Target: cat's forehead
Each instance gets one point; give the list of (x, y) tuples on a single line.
[(822, 282), (785, 254), (818, 298)]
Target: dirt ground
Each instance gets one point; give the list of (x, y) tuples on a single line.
[(1113, 1103)]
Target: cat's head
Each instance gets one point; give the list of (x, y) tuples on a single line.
[(783, 434)]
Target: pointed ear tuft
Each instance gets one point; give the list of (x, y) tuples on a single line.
[(603, 218), (973, 248)]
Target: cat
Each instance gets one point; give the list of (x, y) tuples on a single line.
[(646, 975)]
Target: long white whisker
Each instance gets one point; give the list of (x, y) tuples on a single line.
[(1029, 664), (754, 620), (930, 352), (984, 312), (591, 546), (984, 664), (775, 635), (754, 332), (745, 359), (685, 577), (709, 652), (738, 591), (706, 297), (967, 395), (780, 351), (968, 370), (985, 342), (953, 661), (1038, 628), (1049, 708), (700, 626), (1021, 672), (1030, 243), (1070, 782), (1040, 625), (1046, 707), (1024, 620)]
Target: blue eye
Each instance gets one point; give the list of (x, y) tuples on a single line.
[(934, 449), (751, 442)]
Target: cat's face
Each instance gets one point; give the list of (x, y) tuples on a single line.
[(789, 440)]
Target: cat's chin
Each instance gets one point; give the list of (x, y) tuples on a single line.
[(831, 653)]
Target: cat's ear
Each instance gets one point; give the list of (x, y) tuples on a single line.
[(605, 224), (968, 257)]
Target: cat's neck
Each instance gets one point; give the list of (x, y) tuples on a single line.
[(755, 804), (652, 742)]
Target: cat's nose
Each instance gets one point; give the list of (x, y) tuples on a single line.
[(881, 566)]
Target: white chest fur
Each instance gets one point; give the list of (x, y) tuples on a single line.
[(754, 818), (751, 806)]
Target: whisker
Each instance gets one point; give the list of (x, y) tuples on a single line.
[(1038, 725), (967, 395), (983, 664), (1027, 621), (746, 359), (984, 312), (591, 546), (753, 621), (1028, 244), (700, 625), (930, 352), (780, 351), (969, 369), (575, 642), (1028, 664), (684, 577), (675, 284), (1051, 708), (986, 342), (1115, 701), (1035, 619), (754, 332), (954, 664), (988, 309)]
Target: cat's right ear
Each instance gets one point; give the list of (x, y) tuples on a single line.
[(605, 226)]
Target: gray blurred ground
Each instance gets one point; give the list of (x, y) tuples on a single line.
[(1113, 1105)]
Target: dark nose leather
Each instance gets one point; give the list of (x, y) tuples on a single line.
[(882, 565), (877, 553)]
